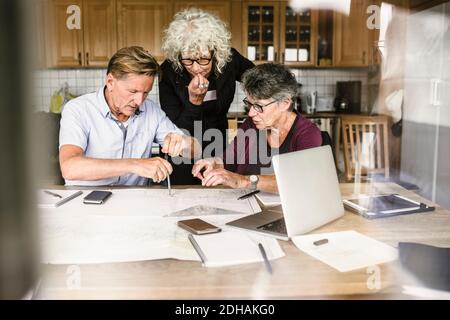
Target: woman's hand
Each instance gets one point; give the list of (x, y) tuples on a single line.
[(224, 177), (202, 167), (198, 87)]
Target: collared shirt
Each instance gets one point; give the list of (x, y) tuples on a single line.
[(88, 123)]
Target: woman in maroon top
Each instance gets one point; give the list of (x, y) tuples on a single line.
[(273, 127)]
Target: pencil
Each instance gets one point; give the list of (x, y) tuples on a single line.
[(266, 260), (168, 178), (248, 195)]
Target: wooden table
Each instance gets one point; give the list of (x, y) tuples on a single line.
[(296, 275)]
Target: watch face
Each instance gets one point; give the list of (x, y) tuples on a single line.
[(253, 178)]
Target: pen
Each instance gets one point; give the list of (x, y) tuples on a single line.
[(168, 178), (202, 171), (266, 260), (248, 195), (53, 194)]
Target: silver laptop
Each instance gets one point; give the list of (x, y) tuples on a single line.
[(309, 192)]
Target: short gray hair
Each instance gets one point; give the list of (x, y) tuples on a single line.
[(197, 31), (270, 80)]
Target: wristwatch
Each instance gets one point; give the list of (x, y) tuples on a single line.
[(254, 181)]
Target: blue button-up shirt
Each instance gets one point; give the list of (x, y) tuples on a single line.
[(88, 123)]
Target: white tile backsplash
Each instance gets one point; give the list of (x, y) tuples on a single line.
[(83, 81)]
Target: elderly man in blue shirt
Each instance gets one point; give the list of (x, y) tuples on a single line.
[(106, 137)]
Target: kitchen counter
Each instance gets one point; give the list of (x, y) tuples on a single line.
[(236, 115), (243, 115)]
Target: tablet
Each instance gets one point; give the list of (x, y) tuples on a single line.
[(385, 206)]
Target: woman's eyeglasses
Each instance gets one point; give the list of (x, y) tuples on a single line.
[(258, 108), (190, 62)]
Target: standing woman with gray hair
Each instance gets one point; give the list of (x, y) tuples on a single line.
[(272, 126), (199, 77)]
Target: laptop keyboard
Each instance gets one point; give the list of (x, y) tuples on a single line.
[(277, 226)]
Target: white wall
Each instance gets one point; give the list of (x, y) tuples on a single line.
[(82, 81)]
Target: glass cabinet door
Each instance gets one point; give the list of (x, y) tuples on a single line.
[(298, 34), (262, 32)]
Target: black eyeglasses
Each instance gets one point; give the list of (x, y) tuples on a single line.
[(258, 108), (190, 62)]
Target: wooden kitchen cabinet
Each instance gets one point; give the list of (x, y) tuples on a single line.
[(89, 46), (261, 30), (222, 9), (100, 41), (298, 37), (228, 11), (354, 42), (272, 31), (38, 27), (141, 23), (66, 46)]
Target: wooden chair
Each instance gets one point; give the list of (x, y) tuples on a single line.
[(366, 145), (232, 129)]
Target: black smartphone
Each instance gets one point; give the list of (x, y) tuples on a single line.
[(97, 197), (198, 226)]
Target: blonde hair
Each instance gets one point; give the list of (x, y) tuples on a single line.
[(135, 60), (198, 32)]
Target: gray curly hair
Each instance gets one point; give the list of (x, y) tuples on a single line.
[(270, 80), (197, 32)]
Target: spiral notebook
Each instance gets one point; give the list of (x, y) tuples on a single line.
[(233, 247)]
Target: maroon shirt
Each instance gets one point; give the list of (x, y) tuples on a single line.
[(243, 153)]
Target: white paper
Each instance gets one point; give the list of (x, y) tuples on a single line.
[(290, 54), (270, 53), (425, 293), (251, 53), (131, 226), (346, 250), (200, 210), (269, 199), (158, 203), (368, 150), (302, 55), (98, 239), (342, 6), (210, 95), (236, 247)]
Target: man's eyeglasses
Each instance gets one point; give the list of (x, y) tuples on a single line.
[(258, 108), (190, 62)]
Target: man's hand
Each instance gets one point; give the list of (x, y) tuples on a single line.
[(181, 145), (224, 177), (175, 144), (197, 89), (156, 168)]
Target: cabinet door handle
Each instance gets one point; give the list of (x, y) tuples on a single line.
[(364, 57), (374, 55), (435, 99), (276, 57), (79, 58), (87, 58), (282, 57)]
